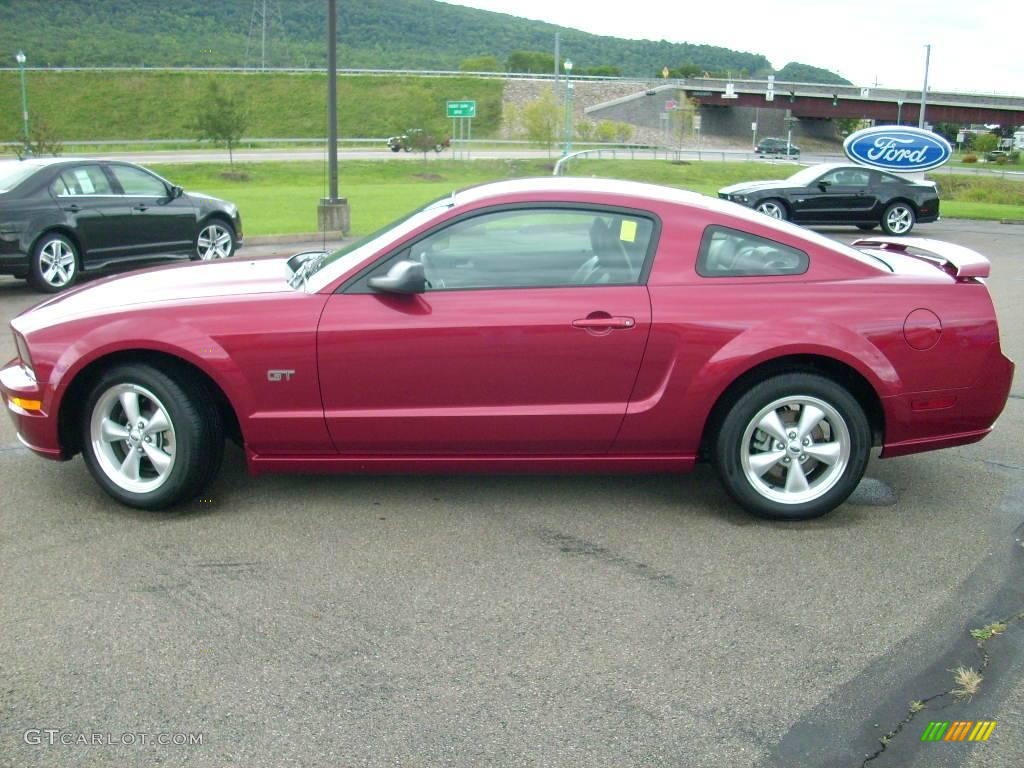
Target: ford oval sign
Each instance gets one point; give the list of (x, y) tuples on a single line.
[(897, 148)]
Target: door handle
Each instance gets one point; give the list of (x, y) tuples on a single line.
[(599, 323), (141, 207), (73, 208)]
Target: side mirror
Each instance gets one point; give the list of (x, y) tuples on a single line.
[(176, 192), (403, 277), (824, 185)]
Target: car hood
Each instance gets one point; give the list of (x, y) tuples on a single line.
[(199, 197), (176, 284), (751, 186)]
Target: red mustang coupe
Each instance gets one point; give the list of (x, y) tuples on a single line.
[(536, 325)]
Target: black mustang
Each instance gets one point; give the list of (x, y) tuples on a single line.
[(60, 217), (842, 194)]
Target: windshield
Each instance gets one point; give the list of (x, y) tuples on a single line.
[(324, 270), (13, 172), (805, 176)]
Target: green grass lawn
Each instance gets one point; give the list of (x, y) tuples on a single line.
[(281, 198), (163, 105)]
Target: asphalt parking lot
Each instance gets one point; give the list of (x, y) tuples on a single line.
[(517, 621)]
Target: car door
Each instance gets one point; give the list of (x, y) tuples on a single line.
[(839, 196), (527, 341), (160, 222), (98, 216)]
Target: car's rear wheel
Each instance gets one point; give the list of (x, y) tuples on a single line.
[(215, 240), (774, 208), (793, 447), (149, 439), (55, 263), (439, 147), (866, 227), (898, 219)]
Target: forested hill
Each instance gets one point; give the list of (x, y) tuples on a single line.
[(393, 34)]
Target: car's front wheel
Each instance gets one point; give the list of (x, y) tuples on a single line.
[(151, 440), (793, 447), (774, 208), (215, 240), (898, 219), (54, 264)]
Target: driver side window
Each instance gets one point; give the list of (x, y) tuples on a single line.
[(536, 248)]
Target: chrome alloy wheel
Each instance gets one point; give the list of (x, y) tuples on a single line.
[(769, 208), (133, 438), (57, 263), (214, 242), (899, 219), (795, 449)]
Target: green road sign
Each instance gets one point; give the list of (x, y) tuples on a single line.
[(461, 109)]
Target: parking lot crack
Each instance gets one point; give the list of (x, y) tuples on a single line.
[(574, 546)]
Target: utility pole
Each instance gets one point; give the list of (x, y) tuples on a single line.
[(333, 213), (558, 79), (263, 40), (924, 88)]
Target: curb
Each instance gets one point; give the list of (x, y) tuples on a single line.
[(1011, 221), (297, 237)]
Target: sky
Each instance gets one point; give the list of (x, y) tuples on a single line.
[(976, 46)]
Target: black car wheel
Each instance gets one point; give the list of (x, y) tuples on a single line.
[(898, 219), (215, 240), (151, 440), (793, 447), (772, 207), (54, 264)]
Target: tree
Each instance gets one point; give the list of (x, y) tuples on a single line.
[(985, 142), (534, 62), (540, 120), (42, 140), (480, 64), (222, 116)]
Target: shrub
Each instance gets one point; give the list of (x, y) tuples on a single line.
[(971, 158)]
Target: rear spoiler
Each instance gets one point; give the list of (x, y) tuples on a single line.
[(962, 263)]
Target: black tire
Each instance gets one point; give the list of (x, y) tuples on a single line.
[(901, 212), (866, 227), (774, 205), (394, 148), (200, 247), (439, 148), (835, 482), (198, 435), (54, 247)]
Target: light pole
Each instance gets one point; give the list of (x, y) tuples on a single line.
[(899, 112), (567, 148), (20, 58), (924, 88)]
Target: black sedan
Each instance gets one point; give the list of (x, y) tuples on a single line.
[(842, 194), (61, 217)]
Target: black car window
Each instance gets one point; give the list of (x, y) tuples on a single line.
[(137, 182), (82, 180), (728, 252), (848, 177), (535, 248)]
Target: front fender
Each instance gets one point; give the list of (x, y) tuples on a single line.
[(176, 339)]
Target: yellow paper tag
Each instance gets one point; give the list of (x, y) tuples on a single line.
[(627, 232)]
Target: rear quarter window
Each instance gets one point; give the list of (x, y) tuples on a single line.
[(726, 252)]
